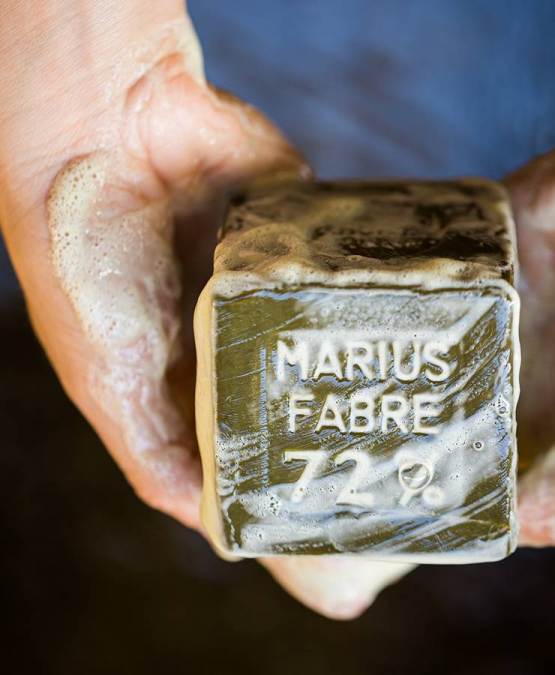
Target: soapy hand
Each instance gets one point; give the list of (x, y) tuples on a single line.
[(116, 161)]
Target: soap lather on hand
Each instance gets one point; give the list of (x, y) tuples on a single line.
[(358, 373)]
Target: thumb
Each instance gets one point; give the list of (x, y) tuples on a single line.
[(532, 191), (337, 586)]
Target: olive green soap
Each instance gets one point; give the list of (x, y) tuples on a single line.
[(357, 378)]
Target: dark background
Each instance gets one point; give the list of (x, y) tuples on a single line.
[(94, 582)]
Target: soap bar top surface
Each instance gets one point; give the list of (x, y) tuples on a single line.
[(461, 230), (358, 373)]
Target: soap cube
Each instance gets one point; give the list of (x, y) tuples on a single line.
[(357, 379)]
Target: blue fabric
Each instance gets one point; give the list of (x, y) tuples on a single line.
[(393, 87), (425, 88)]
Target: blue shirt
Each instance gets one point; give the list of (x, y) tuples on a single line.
[(422, 88)]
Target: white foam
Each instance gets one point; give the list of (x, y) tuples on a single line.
[(120, 275)]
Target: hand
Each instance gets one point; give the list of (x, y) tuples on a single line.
[(116, 161), (532, 191)]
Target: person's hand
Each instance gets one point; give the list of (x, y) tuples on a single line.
[(532, 190), (116, 160)]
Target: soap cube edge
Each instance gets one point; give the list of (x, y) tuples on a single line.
[(212, 515), (206, 378)]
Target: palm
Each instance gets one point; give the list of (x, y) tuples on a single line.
[(135, 381)]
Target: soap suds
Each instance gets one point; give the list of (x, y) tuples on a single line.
[(119, 272)]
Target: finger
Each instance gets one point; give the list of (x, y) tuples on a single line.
[(532, 190), (536, 503), (211, 141), (337, 586)]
